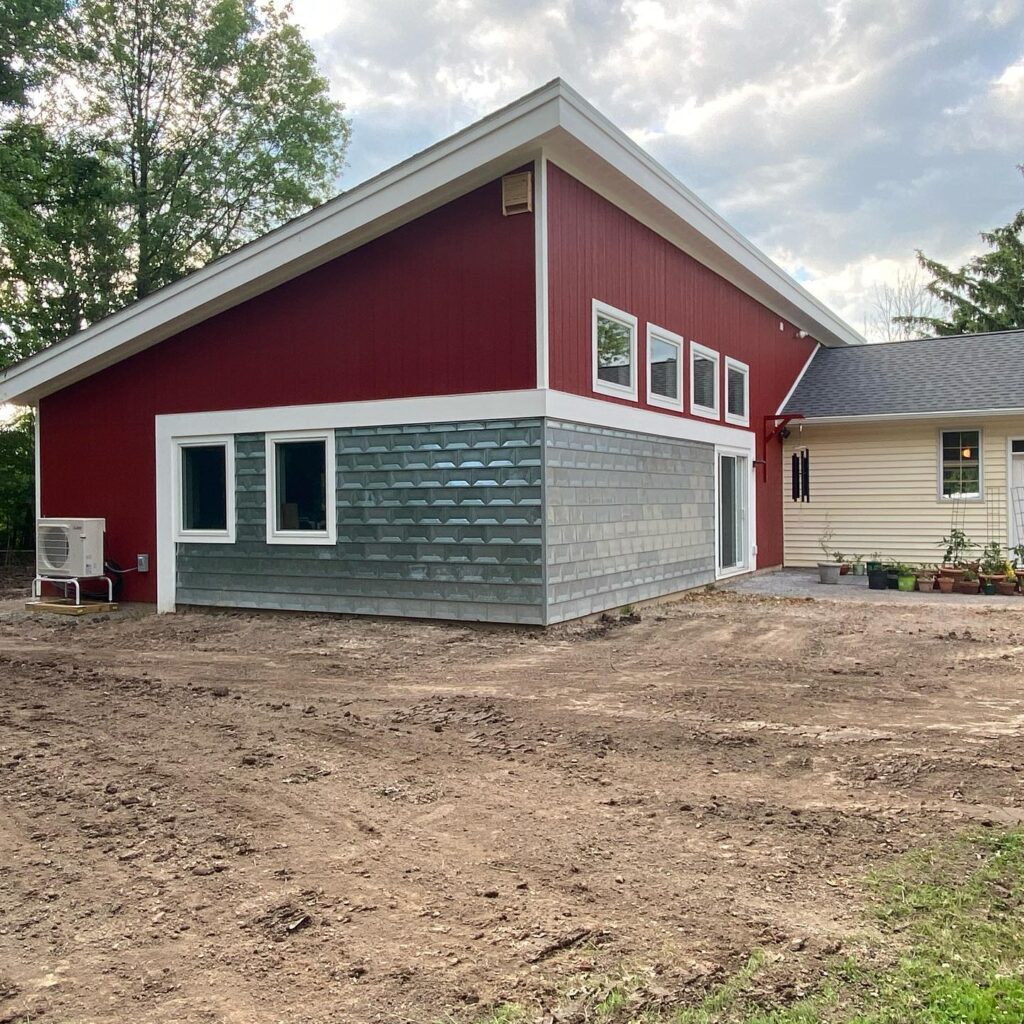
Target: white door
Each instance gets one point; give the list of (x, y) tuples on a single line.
[(1016, 495), (733, 533)]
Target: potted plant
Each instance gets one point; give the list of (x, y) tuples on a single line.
[(892, 576), (926, 579), (968, 583), (955, 546), (992, 568), (859, 568), (877, 573), (844, 565), (1007, 587), (829, 569), (905, 578), (945, 584)]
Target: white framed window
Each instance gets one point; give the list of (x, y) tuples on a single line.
[(204, 487), (301, 495), (613, 334), (704, 386), (960, 465), (664, 368), (737, 392)]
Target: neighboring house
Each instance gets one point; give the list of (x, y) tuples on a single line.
[(905, 440), (523, 376)]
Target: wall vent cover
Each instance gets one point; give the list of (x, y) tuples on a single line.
[(517, 193)]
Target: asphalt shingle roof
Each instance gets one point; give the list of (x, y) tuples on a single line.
[(966, 372)]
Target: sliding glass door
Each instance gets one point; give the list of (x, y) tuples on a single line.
[(733, 531)]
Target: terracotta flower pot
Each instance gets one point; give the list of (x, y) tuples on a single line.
[(946, 584), (968, 586), (844, 569), (1006, 587), (926, 586)]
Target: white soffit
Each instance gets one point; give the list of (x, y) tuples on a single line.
[(553, 120)]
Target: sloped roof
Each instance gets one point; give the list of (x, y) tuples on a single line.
[(553, 122), (959, 373)]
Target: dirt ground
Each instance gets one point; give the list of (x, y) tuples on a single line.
[(236, 817)]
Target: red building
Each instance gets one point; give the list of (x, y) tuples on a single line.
[(522, 376)]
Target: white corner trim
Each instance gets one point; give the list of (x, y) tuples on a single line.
[(278, 535), (743, 368), (655, 333), (705, 411), (800, 376), (227, 535), (38, 467), (604, 311), (540, 244)]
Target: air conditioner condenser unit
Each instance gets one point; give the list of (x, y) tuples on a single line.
[(67, 548)]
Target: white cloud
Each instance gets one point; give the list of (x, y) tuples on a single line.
[(839, 136)]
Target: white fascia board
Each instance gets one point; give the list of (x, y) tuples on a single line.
[(424, 182), (796, 383), (887, 416), (554, 121), (704, 235)]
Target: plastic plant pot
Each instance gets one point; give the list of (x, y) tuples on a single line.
[(877, 579), (828, 572), (892, 581), (906, 583)]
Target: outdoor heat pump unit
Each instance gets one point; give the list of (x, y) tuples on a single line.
[(69, 548)]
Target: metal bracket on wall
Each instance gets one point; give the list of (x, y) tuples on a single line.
[(775, 426)]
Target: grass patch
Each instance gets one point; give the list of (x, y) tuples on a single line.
[(949, 950)]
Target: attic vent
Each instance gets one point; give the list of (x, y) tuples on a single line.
[(517, 193)]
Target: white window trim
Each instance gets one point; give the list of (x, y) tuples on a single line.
[(181, 535), (735, 364), (945, 499), (706, 411), (328, 536), (604, 387), (660, 334)]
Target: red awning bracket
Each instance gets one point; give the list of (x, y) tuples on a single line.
[(775, 427)]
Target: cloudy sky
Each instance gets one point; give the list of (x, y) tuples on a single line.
[(839, 137)]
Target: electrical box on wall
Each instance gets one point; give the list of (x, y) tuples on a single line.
[(517, 193)]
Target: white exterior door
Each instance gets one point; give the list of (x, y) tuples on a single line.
[(1016, 495), (732, 524)]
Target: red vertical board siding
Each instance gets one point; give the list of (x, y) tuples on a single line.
[(597, 251), (442, 305)]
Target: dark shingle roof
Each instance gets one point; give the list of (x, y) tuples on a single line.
[(965, 372)]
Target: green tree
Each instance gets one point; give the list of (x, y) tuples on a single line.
[(985, 294), (29, 40), (218, 117), (62, 246), (17, 490)]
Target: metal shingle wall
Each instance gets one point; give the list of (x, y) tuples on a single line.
[(434, 520), (629, 517)]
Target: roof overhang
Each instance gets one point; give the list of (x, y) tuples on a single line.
[(554, 121), (948, 415)]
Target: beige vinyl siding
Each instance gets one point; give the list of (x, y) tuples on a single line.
[(877, 485)]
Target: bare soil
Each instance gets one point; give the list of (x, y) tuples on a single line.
[(238, 817)]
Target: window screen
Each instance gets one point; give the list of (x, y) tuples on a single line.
[(614, 351), (736, 392), (204, 487), (704, 374), (664, 357), (961, 463), (301, 480)]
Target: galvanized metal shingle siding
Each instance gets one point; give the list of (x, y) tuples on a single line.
[(960, 373), (628, 517), (434, 520)]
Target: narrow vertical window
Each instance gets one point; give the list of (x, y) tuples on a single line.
[(703, 381), (205, 487), (960, 464), (664, 368), (300, 489), (737, 392), (614, 344)]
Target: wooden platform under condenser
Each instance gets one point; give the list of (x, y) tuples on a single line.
[(66, 606)]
